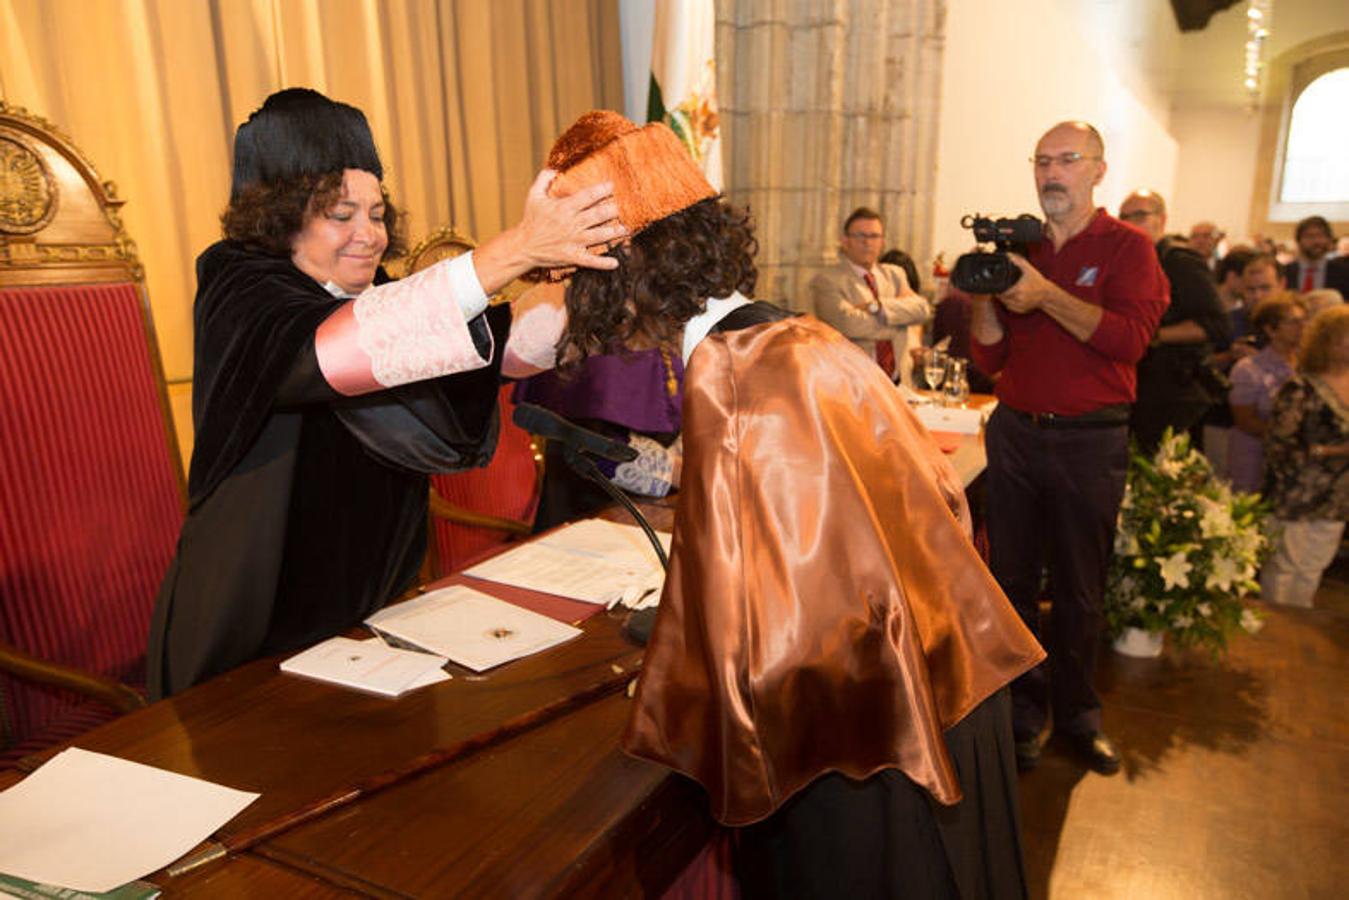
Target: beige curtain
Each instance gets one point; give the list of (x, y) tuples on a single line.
[(464, 96), (828, 105)]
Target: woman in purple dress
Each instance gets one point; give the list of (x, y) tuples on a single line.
[(1255, 382)]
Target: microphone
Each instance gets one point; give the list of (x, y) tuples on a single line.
[(539, 421)]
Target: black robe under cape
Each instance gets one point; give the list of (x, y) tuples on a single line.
[(307, 509)]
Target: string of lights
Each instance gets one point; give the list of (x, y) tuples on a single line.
[(1258, 20)]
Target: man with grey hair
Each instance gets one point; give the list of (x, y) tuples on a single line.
[(1170, 391), (1064, 341), (1204, 238)]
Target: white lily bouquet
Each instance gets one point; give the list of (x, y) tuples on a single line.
[(1187, 550)]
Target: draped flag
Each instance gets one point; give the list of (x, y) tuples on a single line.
[(684, 79)]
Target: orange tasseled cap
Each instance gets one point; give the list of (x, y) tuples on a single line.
[(653, 174)]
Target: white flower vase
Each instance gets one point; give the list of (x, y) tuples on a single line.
[(1139, 643)]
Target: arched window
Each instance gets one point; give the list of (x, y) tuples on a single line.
[(1304, 134), (1316, 158)]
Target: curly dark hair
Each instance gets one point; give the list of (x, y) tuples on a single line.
[(268, 216), (663, 279)]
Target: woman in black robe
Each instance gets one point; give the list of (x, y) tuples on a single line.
[(323, 394)]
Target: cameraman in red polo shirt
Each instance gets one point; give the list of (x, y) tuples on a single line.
[(1066, 339)]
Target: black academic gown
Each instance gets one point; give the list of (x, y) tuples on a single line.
[(307, 509)]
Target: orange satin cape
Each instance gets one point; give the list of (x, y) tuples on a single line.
[(825, 608)]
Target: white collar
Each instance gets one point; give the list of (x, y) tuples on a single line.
[(861, 272), (333, 288), (696, 329)]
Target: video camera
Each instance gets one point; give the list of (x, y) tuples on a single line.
[(980, 272)]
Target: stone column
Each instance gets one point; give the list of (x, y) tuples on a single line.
[(828, 105)]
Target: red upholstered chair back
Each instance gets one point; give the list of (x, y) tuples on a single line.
[(507, 487), (473, 511), (91, 490)]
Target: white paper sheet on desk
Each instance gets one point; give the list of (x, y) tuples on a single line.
[(951, 418), (371, 666), (471, 628), (93, 822), (593, 560)]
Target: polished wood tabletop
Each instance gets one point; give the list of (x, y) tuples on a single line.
[(550, 807), (539, 801)]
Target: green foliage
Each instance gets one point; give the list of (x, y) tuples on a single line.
[(1187, 550)]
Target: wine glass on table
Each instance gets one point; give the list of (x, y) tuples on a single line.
[(934, 369), (957, 383)]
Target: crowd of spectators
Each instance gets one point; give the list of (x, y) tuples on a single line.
[(1245, 346)]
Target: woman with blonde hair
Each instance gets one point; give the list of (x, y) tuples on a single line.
[(1325, 298), (1307, 462)]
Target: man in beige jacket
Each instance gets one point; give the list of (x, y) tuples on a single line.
[(869, 302)]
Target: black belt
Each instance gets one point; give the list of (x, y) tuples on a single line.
[(1106, 417)]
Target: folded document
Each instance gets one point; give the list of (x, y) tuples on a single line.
[(471, 628), (371, 666)]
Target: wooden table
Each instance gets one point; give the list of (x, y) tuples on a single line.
[(966, 451), (555, 809)]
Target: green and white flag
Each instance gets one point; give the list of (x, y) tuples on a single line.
[(684, 79)]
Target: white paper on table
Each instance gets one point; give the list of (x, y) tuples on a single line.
[(951, 418), (371, 666), (614, 542), (93, 822), (430, 678), (471, 628), (593, 560)]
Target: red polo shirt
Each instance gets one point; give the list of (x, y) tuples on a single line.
[(1044, 368)]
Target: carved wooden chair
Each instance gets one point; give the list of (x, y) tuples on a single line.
[(475, 510), (91, 485)]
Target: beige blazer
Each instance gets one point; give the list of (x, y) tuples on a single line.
[(841, 298)]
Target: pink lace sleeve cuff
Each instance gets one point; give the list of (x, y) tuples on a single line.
[(537, 323), (403, 331)]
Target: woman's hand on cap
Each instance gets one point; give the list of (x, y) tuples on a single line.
[(573, 230), (553, 233)]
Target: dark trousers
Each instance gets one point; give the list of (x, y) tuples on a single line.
[(1053, 494)]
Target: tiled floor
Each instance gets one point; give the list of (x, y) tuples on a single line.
[(1236, 776)]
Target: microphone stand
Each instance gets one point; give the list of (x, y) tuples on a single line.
[(639, 622)]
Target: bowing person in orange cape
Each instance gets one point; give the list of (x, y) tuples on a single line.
[(830, 657)]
